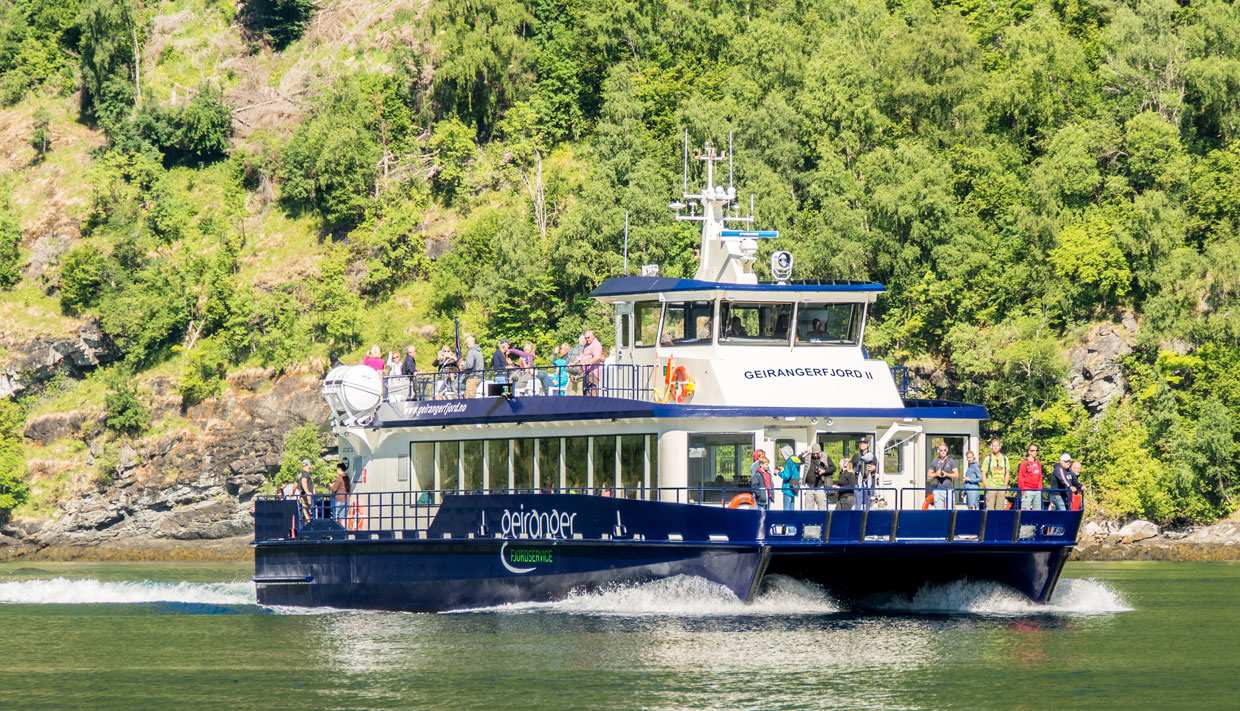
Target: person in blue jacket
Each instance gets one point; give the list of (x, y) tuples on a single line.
[(791, 474)]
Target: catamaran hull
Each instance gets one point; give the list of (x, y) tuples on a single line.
[(434, 575), (430, 575), (864, 572)]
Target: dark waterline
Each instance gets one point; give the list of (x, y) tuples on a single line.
[(1118, 636)]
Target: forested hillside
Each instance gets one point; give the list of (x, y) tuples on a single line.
[(227, 186)]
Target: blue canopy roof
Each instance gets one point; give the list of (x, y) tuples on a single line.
[(630, 285)]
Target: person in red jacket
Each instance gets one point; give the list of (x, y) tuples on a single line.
[(1029, 480)]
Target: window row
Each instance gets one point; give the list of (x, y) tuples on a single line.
[(744, 323), (623, 465)]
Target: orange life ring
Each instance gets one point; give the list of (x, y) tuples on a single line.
[(680, 386), (927, 502), (739, 499), (356, 517)]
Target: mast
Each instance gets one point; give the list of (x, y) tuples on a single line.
[(726, 255)]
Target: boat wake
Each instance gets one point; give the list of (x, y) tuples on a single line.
[(1071, 597), (686, 596), (65, 591)]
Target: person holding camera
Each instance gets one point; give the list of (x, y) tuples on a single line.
[(818, 473)]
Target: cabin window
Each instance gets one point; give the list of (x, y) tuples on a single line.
[(523, 464), (471, 465), (646, 314), (632, 466), (549, 464), (424, 465), (687, 323), (719, 461), (576, 453), (624, 330), (754, 323), (497, 464), (829, 324), (604, 464), (449, 461)]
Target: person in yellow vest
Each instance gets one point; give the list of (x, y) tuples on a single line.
[(996, 470)]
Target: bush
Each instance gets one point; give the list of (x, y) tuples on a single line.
[(13, 490), (10, 253), (202, 376), (81, 277), (125, 412), (281, 22), (303, 443), (204, 126)]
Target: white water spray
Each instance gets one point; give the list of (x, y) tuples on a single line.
[(1071, 597), (65, 591)]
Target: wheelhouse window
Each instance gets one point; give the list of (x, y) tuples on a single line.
[(829, 324), (646, 319), (754, 323), (687, 323)]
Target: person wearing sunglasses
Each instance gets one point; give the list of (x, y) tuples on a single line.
[(1029, 480)]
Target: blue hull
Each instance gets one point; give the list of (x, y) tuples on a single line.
[(484, 550), (432, 575)]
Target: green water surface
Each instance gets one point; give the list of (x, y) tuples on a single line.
[(1132, 636)]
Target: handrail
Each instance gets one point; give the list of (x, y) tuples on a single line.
[(411, 512), (624, 380)]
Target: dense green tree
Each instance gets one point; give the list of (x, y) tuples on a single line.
[(280, 22), (13, 488), (10, 247), (126, 413), (110, 44)]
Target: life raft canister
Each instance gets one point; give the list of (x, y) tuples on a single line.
[(740, 499)]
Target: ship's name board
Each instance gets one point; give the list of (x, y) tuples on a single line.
[(808, 373), (432, 409), (536, 524)]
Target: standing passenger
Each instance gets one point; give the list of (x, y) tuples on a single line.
[(305, 490), (592, 358), (847, 484), (500, 362), (575, 373), (1078, 489), (1029, 480), (996, 467), (374, 358), (560, 381), (865, 467), (817, 477), (340, 490), (760, 480), (1061, 478), (791, 474), (942, 472), (972, 481), (472, 366)]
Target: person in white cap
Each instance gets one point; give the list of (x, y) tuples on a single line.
[(1061, 482)]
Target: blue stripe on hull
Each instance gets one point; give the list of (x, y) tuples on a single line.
[(433, 575)]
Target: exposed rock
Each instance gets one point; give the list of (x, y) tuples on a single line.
[(1137, 531), (42, 358), (45, 250), (195, 484), (48, 428), (1095, 376)]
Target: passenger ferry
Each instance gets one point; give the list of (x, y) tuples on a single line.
[(513, 486)]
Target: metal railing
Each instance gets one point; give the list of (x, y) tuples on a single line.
[(899, 373), (409, 514), (627, 381)]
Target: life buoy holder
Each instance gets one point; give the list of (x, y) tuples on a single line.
[(740, 499), (680, 385)]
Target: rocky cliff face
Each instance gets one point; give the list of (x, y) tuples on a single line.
[(192, 484), (39, 360), (1095, 376)]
